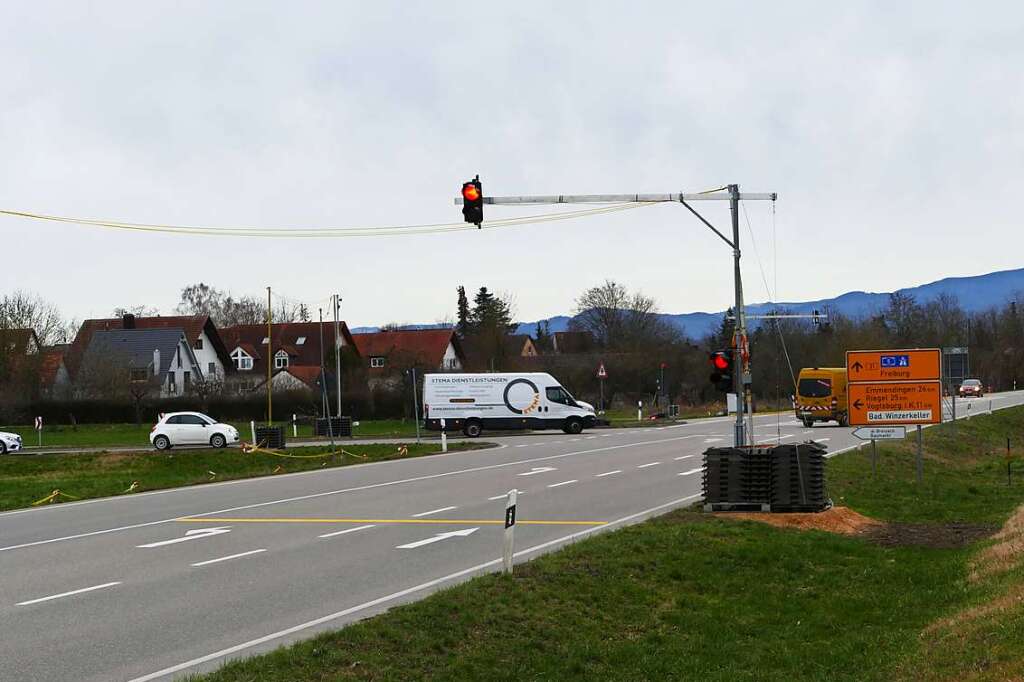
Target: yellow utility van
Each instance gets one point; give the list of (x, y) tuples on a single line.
[(821, 396)]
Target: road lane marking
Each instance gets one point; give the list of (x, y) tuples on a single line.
[(537, 470), (438, 538), (690, 472), (608, 473), (590, 438), (311, 496), (195, 534), (464, 573), (649, 464), (558, 485), (505, 495), (228, 558), (66, 594), (524, 446), (347, 530), (683, 457), (296, 519), (712, 440), (821, 440), (433, 511)]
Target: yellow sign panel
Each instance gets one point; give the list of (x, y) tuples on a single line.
[(894, 365), (880, 403)]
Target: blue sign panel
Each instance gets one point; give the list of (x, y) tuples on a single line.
[(889, 361)]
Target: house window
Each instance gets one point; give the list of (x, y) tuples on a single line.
[(171, 387), (376, 362), (266, 340), (179, 357), (198, 345), (212, 369), (242, 360), (451, 363), (138, 375), (187, 381), (280, 359), (300, 341)]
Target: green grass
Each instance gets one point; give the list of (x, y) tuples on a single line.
[(692, 596), (27, 479)]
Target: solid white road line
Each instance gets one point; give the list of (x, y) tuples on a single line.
[(67, 594), (649, 464), (329, 493), (347, 530), (523, 446), (556, 485), (433, 511), (226, 558), (822, 440), (504, 496), (608, 473), (712, 440), (479, 568), (683, 457), (690, 472)]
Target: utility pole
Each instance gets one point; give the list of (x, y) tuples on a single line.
[(337, 350), (270, 359), (732, 194)]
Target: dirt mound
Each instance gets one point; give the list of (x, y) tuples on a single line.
[(937, 535), (841, 520), (1007, 552)]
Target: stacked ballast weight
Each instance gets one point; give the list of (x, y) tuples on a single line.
[(270, 436), (765, 478), (339, 426)]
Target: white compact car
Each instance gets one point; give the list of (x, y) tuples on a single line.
[(191, 428), (9, 442)]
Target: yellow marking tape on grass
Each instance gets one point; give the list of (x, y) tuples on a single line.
[(53, 497), (488, 522), (249, 449)]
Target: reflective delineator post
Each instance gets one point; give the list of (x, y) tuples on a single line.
[(444, 437), (252, 429), (295, 427), (510, 529)]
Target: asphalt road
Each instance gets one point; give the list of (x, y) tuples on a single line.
[(155, 585)]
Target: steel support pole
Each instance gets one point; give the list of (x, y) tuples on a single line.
[(920, 455), (415, 405), (337, 350), (740, 333)]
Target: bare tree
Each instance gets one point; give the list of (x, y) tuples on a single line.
[(619, 320), (23, 310), (228, 311), (141, 310)]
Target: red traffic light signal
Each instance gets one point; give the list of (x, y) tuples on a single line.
[(721, 369), (719, 361), (473, 201)]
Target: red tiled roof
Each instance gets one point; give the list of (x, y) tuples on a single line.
[(306, 374), (285, 335), (426, 345), (50, 362)]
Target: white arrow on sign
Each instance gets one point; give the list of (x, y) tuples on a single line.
[(538, 470), (881, 432), (440, 536), (197, 534)]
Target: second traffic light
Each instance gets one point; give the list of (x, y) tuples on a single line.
[(722, 369), (473, 201)]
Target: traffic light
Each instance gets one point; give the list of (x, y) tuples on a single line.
[(473, 201), (721, 369)]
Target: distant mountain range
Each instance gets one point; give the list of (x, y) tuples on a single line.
[(977, 293)]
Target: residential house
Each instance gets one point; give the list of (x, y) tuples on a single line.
[(504, 354), (292, 346), (573, 342), (203, 337), (520, 345), (300, 378), (53, 373), (435, 350), (118, 361)]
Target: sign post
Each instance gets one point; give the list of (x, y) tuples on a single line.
[(889, 389), (510, 529), (444, 437), (602, 374), (39, 428)]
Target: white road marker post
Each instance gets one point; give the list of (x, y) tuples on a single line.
[(444, 437), (639, 411), (252, 429), (510, 530), (39, 428), (295, 427)]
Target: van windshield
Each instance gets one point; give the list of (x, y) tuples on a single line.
[(557, 394), (815, 388)]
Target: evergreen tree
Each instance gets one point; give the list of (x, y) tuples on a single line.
[(543, 340), (463, 326)]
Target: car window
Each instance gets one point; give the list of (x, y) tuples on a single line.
[(176, 419), (192, 420), (972, 382), (814, 388)]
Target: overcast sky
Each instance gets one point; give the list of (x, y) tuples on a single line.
[(893, 133)]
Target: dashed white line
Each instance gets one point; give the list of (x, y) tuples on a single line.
[(649, 464), (712, 440), (228, 558), (683, 457), (522, 446), (821, 440), (556, 485), (505, 496), (66, 594), (608, 473), (433, 511), (347, 530), (690, 472)]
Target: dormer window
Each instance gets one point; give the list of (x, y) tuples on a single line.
[(266, 340), (280, 359), (241, 359), (300, 341), (376, 363)]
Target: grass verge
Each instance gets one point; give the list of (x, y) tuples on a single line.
[(27, 479), (693, 596)]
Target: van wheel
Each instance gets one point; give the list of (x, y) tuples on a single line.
[(573, 427), (473, 429), (162, 443), (218, 441), (808, 423), (844, 419)]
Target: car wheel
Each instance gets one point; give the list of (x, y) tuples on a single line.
[(473, 429), (162, 443), (3, 448), (218, 441), (573, 427)]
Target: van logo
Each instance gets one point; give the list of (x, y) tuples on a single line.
[(527, 403)]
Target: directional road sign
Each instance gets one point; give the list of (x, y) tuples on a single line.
[(894, 365), (881, 432), (881, 403)]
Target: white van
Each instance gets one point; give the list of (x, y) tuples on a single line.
[(474, 402)]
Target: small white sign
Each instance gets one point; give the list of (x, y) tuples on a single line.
[(900, 416), (881, 432), (732, 405), (39, 423)]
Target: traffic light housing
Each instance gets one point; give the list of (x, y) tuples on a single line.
[(473, 201), (722, 369)]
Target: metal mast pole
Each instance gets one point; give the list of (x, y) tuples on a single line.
[(270, 359), (740, 334), (337, 351)]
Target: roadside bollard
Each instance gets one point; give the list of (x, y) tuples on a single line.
[(510, 529), (295, 427), (444, 438), (252, 428)]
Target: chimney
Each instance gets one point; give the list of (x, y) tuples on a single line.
[(128, 321), (156, 361)]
